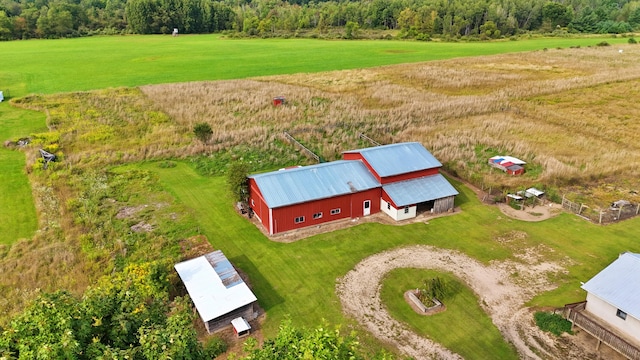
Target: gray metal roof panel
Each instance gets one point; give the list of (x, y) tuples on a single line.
[(222, 266), (315, 182), (401, 158), (619, 284), (419, 190), (210, 293)]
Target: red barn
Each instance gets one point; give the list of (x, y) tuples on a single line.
[(399, 179)]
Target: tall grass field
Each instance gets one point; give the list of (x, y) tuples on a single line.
[(62, 228)]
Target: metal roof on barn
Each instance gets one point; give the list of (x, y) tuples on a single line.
[(214, 285), (401, 158), (315, 182), (419, 190), (619, 284)]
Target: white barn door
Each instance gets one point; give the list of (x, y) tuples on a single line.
[(366, 208)]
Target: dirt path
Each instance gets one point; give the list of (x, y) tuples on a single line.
[(502, 299)]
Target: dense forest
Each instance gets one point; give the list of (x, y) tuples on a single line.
[(419, 19)]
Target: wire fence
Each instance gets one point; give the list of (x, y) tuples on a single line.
[(612, 214)]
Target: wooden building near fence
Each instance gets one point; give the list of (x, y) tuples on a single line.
[(398, 179), (217, 291)]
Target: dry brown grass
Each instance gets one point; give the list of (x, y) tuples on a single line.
[(571, 113)]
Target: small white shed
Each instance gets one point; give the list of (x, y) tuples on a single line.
[(217, 291)]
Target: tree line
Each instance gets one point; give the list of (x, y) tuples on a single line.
[(420, 19)]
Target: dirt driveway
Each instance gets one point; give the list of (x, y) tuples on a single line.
[(502, 299)]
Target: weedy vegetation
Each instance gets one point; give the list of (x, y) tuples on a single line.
[(133, 181)]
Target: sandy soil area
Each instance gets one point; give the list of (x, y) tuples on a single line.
[(536, 213), (503, 300)]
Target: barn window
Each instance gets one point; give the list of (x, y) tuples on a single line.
[(621, 314), (253, 203), (406, 209), (388, 206), (299, 219), (335, 211), (317, 215)]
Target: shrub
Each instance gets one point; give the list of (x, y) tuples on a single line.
[(603, 43), (203, 131), (214, 347), (167, 164), (632, 41), (552, 323)]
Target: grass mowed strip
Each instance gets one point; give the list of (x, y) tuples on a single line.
[(51, 66), (17, 214), (463, 327), (308, 268), (296, 279)]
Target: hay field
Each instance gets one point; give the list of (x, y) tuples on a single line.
[(572, 114)]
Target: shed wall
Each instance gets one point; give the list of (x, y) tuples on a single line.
[(598, 307), (248, 312), (443, 204)]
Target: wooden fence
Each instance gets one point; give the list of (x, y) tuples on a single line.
[(304, 148), (365, 137), (601, 216), (575, 314)]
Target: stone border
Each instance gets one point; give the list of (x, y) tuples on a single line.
[(412, 299)]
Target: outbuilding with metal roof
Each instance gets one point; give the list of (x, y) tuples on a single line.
[(613, 295), (217, 291), (397, 178)]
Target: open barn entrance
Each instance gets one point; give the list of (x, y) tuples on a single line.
[(425, 207)]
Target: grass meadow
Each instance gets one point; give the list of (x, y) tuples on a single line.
[(551, 107), (45, 66), (463, 318)]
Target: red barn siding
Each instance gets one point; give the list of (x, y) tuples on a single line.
[(387, 198), (358, 156), (257, 203), (409, 176), (350, 205)]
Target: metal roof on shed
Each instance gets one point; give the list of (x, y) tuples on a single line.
[(419, 190), (315, 182), (619, 284), (214, 285), (395, 159)]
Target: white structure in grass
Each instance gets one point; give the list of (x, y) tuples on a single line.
[(613, 295)]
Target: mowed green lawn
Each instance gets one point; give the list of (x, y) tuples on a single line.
[(50, 66), (63, 65), (297, 280), (294, 280), (463, 327), (17, 214)]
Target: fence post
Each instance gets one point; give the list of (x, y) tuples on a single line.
[(600, 222)]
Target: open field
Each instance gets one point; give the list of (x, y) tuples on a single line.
[(551, 108), (45, 66), (50, 66)]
